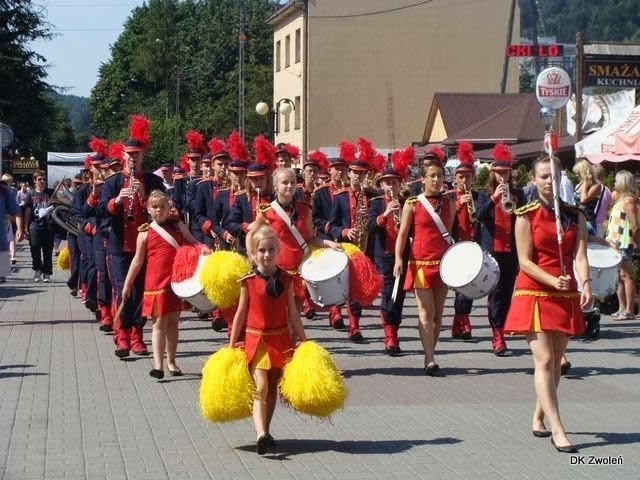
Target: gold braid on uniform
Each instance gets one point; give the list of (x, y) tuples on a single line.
[(529, 207), (411, 201), (143, 228), (264, 207)]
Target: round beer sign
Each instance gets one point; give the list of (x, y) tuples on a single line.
[(553, 87)]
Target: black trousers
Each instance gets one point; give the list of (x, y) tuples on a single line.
[(41, 244)]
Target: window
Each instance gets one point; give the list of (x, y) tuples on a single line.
[(296, 113), (278, 56), (297, 46), (287, 51)]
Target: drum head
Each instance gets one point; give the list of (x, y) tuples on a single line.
[(324, 265), (190, 286), (461, 264), (602, 256)]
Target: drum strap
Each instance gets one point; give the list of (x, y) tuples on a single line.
[(294, 230), (436, 218), (164, 234)]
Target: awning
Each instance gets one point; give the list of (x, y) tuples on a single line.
[(617, 142)]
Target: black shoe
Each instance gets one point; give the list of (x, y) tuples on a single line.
[(565, 449), (466, 336), (500, 352), (433, 370), (272, 442), (204, 316), (541, 433), (106, 328), (176, 373), (73, 293), (356, 336), (564, 368), (155, 373), (309, 313), (218, 324), (392, 351), (141, 353), (263, 444), (122, 352), (91, 304), (13, 261), (338, 323)]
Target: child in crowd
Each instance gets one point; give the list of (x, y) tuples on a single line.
[(156, 248), (268, 309)]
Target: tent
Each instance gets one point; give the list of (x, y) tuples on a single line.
[(63, 164), (617, 142)]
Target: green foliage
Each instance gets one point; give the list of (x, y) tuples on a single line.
[(482, 175), (521, 176), (177, 63)]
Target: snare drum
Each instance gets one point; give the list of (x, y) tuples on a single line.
[(469, 270), (603, 269), (192, 291), (326, 274)]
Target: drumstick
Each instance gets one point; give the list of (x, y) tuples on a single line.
[(396, 285), (119, 311)]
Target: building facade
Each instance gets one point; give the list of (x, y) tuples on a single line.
[(370, 67)]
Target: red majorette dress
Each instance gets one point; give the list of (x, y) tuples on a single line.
[(291, 254), (159, 298), (428, 247), (536, 307), (267, 341)]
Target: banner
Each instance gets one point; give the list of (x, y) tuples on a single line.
[(600, 110)]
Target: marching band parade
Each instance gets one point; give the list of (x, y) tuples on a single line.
[(396, 234)]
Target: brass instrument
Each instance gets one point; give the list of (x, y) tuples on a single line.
[(508, 205), (61, 200), (397, 214), (130, 208), (471, 204), (361, 226)]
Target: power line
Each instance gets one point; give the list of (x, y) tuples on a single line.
[(377, 12)]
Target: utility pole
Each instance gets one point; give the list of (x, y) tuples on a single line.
[(241, 40)]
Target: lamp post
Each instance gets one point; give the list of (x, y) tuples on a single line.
[(284, 106)]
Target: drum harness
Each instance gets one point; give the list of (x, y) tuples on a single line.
[(294, 230), (436, 218)]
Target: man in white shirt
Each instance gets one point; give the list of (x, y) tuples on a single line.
[(566, 189)]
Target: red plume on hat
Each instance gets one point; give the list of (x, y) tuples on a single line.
[(320, 158), (237, 148), (115, 151), (195, 141), (503, 158), (401, 160), (465, 155), (377, 162), (216, 146), (86, 165), (438, 152), (264, 152), (293, 151), (99, 146), (347, 151), (184, 164), (366, 152), (139, 129)]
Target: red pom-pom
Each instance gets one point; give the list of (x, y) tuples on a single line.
[(216, 146), (184, 164), (293, 151), (364, 281), (237, 148), (347, 152), (465, 154), (195, 140), (99, 146), (139, 128), (185, 263), (320, 158), (501, 153), (264, 152)]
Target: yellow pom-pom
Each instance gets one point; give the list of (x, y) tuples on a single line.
[(63, 259), (311, 383), (350, 249), (219, 277), (227, 389)]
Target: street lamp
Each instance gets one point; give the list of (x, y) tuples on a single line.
[(284, 106)]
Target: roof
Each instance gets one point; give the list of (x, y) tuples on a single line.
[(523, 152), (486, 117), (611, 49)]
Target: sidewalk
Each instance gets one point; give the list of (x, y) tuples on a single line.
[(70, 409)]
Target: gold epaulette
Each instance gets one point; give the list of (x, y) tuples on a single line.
[(342, 190), (143, 228), (263, 207), (248, 275), (411, 200), (529, 207)]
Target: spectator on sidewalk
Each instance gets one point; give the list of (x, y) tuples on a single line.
[(8, 210), (37, 228)]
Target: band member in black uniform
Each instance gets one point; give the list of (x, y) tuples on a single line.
[(384, 214), (464, 230), (494, 211), (123, 199), (185, 186)]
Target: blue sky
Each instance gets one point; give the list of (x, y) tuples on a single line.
[(85, 30)]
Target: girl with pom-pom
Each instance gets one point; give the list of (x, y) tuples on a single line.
[(156, 248), (268, 311)]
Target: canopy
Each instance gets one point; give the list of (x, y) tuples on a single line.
[(617, 142)]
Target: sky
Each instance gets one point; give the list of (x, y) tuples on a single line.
[(85, 31)]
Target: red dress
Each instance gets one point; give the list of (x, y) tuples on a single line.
[(267, 326), (428, 245), (159, 298), (536, 307), (291, 254)]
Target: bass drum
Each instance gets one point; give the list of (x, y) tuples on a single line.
[(192, 291), (469, 270), (603, 270), (326, 274)]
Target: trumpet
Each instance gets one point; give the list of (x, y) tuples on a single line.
[(130, 208), (471, 204), (508, 205), (397, 214)]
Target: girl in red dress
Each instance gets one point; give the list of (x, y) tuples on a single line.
[(268, 309), (298, 214), (427, 249), (546, 306), (156, 248)]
